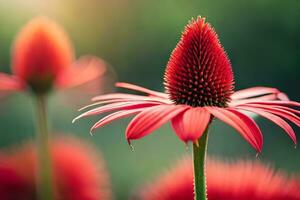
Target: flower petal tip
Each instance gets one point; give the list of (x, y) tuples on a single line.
[(74, 120), (92, 132), (130, 145)]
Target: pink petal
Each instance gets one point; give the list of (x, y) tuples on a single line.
[(277, 111), (114, 116), (288, 109), (277, 120), (141, 89), (274, 103), (191, 124), (10, 83), (282, 96), (150, 119), (144, 99), (122, 96), (254, 91), (116, 106), (242, 123), (85, 69), (253, 100)]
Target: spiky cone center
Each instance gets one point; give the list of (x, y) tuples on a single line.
[(199, 72), (41, 51)]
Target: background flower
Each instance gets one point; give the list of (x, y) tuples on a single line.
[(245, 180), (79, 172), (43, 58)]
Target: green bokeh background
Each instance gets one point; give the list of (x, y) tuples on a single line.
[(262, 39)]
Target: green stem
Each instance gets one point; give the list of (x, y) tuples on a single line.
[(44, 184), (199, 154)]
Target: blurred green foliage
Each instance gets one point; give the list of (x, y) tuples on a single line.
[(137, 37)]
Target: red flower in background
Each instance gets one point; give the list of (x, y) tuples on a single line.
[(43, 58), (199, 86), (244, 180), (79, 172)]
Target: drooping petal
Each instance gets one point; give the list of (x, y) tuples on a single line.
[(251, 125), (141, 89), (278, 111), (287, 109), (242, 123), (150, 119), (253, 100), (10, 83), (277, 120), (85, 69), (252, 92), (274, 102), (116, 106), (191, 124), (114, 116)]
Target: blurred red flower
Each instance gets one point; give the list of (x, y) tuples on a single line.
[(79, 172), (244, 180), (43, 58)]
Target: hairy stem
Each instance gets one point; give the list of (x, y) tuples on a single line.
[(199, 154)]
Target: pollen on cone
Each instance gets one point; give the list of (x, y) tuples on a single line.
[(244, 180), (41, 51), (199, 72), (79, 172)]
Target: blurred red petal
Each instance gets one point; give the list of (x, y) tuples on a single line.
[(191, 124), (10, 83), (242, 180), (85, 69), (79, 172)]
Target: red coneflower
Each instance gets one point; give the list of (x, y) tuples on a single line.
[(199, 87), (244, 180), (43, 58), (79, 172)]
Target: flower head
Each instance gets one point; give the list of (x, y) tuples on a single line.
[(241, 180), (199, 72), (41, 51), (79, 172), (199, 84), (43, 58)]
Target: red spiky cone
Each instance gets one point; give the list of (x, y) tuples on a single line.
[(199, 72)]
